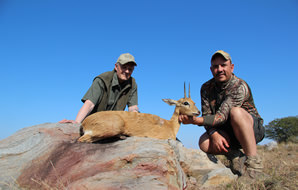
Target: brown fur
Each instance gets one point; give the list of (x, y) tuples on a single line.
[(107, 124)]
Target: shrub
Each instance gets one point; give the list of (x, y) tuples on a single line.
[(283, 130)]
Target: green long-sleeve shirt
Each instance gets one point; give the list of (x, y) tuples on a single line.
[(218, 99)]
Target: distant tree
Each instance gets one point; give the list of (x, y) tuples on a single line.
[(283, 130)]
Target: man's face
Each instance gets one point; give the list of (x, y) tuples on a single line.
[(124, 71), (221, 69)]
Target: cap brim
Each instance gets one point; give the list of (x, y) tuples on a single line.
[(129, 62), (227, 57)]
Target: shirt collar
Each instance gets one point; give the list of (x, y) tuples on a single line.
[(115, 81)]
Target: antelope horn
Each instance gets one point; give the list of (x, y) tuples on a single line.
[(184, 91), (189, 90)]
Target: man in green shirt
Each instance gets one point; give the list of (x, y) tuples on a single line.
[(111, 90), (230, 117)]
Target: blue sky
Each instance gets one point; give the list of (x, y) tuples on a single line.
[(51, 50)]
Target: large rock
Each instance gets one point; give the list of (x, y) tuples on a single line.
[(48, 156)]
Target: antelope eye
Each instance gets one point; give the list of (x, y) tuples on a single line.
[(186, 103)]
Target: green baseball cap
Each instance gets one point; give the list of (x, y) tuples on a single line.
[(222, 53), (126, 58)]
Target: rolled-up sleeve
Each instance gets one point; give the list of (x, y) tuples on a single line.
[(95, 92), (133, 98)]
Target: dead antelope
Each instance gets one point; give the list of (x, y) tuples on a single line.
[(107, 124)]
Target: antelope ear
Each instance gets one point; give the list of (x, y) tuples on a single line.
[(170, 101)]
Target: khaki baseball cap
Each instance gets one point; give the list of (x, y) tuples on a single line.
[(222, 53), (126, 58)]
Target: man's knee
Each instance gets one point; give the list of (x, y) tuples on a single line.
[(239, 114), (204, 142)]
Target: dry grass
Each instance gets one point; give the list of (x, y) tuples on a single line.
[(280, 167)]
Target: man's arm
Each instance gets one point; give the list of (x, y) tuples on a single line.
[(94, 94), (235, 98), (82, 114), (84, 111)]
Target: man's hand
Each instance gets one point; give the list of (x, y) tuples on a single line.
[(134, 108), (191, 120), (67, 121), (186, 119), (219, 143)]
